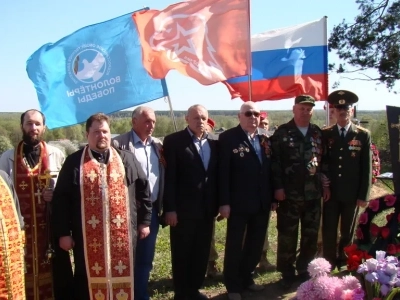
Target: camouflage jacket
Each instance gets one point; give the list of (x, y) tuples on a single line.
[(296, 161)]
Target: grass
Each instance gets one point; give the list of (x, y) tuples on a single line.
[(160, 283)]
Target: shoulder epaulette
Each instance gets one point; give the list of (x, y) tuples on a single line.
[(362, 128), (329, 127)]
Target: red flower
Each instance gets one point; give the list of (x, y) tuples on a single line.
[(391, 249), (363, 218), (374, 229), (390, 200), (374, 205), (350, 249), (397, 248), (389, 217), (385, 232)]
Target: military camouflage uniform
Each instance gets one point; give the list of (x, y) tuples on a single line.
[(296, 169)]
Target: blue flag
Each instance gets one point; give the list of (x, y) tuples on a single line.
[(96, 69)]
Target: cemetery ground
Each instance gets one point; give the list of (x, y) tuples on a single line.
[(161, 277), (160, 283)]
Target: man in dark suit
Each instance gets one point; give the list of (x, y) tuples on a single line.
[(190, 201), (245, 198), (348, 159)]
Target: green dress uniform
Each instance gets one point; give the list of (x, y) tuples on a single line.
[(296, 169), (348, 160)]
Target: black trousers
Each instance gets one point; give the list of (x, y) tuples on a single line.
[(190, 248), (332, 211), (244, 243), (62, 274)]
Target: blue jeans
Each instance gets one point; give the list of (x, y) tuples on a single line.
[(144, 256)]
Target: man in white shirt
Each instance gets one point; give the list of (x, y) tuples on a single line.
[(148, 151)]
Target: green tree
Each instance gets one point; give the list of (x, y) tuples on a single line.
[(372, 41), (5, 144)]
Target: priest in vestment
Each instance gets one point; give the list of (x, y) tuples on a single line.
[(34, 166), (103, 198), (11, 242)]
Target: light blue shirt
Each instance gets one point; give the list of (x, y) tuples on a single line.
[(255, 142), (146, 154), (203, 147)]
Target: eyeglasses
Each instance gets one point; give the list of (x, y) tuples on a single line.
[(252, 113)]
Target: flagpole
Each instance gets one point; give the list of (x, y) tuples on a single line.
[(327, 120), (168, 99), (249, 62)]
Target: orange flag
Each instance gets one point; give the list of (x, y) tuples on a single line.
[(208, 40)]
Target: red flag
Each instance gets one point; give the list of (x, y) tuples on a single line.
[(207, 40)]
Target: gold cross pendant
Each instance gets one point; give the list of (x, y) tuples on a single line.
[(38, 194)]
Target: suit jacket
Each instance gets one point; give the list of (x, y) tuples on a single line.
[(190, 189), (244, 182), (125, 141), (66, 215), (56, 159), (349, 162)]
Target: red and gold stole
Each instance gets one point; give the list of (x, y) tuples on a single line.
[(12, 283), (29, 184), (106, 226)]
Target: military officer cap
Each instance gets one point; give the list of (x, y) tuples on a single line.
[(342, 99), (304, 99)]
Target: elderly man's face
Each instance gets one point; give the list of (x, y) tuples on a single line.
[(343, 113), (197, 120), (249, 118), (302, 113), (144, 124)]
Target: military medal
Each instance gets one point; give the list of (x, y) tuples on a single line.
[(353, 154), (241, 154)]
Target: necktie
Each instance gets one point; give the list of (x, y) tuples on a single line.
[(342, 132)]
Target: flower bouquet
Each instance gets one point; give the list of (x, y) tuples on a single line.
[(382, 276), (323, 286), (378, 229)]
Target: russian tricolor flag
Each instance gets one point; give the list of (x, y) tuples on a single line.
[(286, 62)]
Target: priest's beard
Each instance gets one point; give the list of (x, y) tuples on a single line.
[(30, 138)]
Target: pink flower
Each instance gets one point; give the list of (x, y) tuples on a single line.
[(374, 205), (363, 218), (347, 295), (350, 282), (390, 200), (304, 290), (318, 267), (326, 287)]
